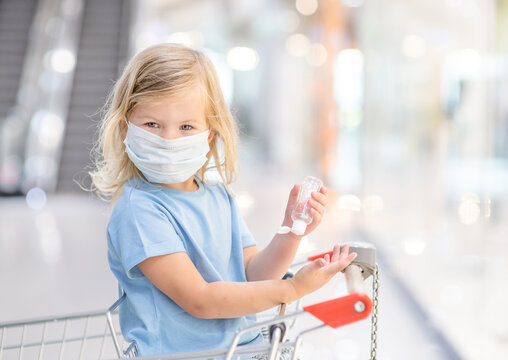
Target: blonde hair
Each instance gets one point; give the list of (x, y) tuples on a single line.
[(161, 71)]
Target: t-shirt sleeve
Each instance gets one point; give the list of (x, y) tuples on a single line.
[(243, 231), (142, 230)]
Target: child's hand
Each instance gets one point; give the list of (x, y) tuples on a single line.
[(314, 275), (318, 202)]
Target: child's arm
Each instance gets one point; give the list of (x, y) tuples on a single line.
[(273, 261), (177, 277)]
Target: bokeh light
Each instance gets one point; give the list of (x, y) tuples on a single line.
[(243, 58), (36, 198), (192, 39), (61, 60), (317, 54), (297, 45), (306, 7)]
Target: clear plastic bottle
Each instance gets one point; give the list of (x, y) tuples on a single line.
[(301, 213)]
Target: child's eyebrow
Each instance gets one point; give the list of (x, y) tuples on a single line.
[(151, 117), (188, 120), (146, 116)]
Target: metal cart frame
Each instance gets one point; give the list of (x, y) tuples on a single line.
[(109, 343)]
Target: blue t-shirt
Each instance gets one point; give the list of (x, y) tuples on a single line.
[(151, 220)]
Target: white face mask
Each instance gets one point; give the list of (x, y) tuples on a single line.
[(166, 161)]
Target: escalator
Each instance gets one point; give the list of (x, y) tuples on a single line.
[(102, 50), (16, 17), (58, 60)]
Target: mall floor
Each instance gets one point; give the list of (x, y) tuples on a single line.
[(53, 262)]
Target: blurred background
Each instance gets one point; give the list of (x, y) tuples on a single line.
[(398, 105)]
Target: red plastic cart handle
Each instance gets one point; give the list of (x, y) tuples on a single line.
[(343, 310)]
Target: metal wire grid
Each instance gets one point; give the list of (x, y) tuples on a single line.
[(93, 336), (78, 336)]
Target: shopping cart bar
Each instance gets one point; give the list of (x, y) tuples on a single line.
[(333, 313), (91, 326), (35, 339)]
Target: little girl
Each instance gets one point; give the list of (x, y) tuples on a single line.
[(178, 245)]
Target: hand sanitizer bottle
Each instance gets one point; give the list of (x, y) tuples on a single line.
[(301, 213)]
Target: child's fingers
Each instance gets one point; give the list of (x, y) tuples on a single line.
[(320, 198), (340, 258), (344, 251), (319, 262), (317, 206), (351, 257), (335, 253), (345, 257), (294, 191), (316, 216), (342, 263), (293, 194)]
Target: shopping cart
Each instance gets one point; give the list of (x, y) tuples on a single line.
[(95, 335)]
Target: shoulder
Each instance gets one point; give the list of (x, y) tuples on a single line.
[(216, 187), (219, 191), (137, 195)]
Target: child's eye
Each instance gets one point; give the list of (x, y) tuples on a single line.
[(152, 124), (186, 127)]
